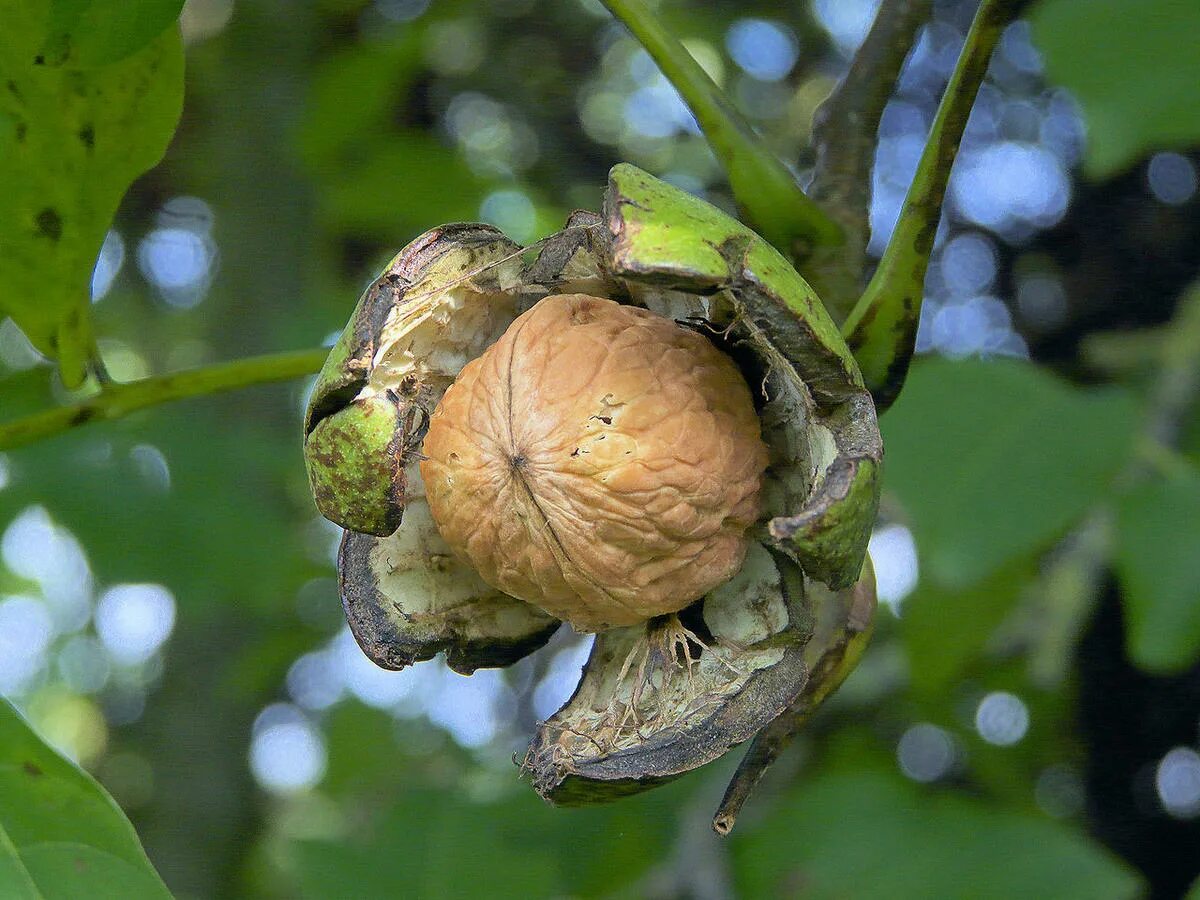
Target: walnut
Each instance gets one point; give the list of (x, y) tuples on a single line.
[(598, 461), (634, 451)]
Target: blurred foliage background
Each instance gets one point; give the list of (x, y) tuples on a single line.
[(1027, 720)]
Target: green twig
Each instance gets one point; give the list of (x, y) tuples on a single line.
[(770, 200), (118, 400), (882, 327), (845, 131)]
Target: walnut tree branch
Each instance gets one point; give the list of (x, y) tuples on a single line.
[(844, 138), (115, 401), (769, 197), (882, 328)]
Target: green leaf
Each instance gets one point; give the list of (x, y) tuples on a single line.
[(97, 32), (387, 191), (453, 850), (61, 835), (870, 834), (408, 776), (944, 630), (1134, 69), (354, 94), (1158, 561), (995, 459), (72, 138)]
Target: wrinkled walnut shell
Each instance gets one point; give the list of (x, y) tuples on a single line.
[(598, 461)]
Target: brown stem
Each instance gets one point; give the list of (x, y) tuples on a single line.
[(844, 137), (837, 658)]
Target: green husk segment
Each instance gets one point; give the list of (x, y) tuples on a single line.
[(355, 439), (355, 465), (665, 235), (677, 241), (407, 600), (656, 702), (844, 623)]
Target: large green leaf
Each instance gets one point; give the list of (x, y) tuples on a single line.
[(995, 459), (61, 835), (96, 32), (1134, 69), (453, 850), (1158, 560), (870, 834), (944, 630), (73, 135)]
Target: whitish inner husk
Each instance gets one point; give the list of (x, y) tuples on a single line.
[(642, 683), (423, 580), (426, 341), (432, 334)]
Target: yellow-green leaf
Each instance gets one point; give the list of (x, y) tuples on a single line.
[(72, 139), (1134, 69), (61, 835)]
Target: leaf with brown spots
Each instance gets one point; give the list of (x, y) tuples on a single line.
[(75, 131), (61, 835)]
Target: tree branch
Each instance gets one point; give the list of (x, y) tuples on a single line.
[(118, 400), (845, 131), (882, 328), (769, 197)]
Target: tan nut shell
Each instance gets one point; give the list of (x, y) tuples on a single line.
[(598, 461)]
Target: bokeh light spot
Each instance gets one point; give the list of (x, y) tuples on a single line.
[(16, 352), (894, 554), (1011, 188), (847, 21), (34, 547), (1177, 780), (152, 466), (1171, 178), (469, 707), (26, 630), (926, 753), (108, 264), (512, 212), (287, 753), (133, 620), (968, 263), (766, 50), (561, 678), (1002, 718)]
